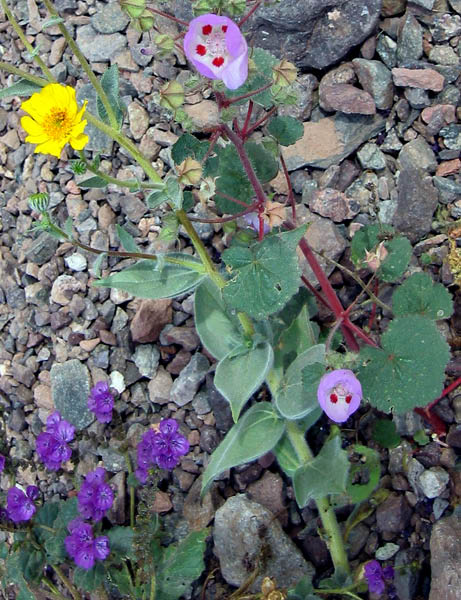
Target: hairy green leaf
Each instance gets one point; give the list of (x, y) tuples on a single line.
[(20, 88), (31, 563), (385, 433), (145, 281), (90, 580), (156, 199), (297, 395), (367, 469), (215, 328), (299, 336), (232, 180), (127, 239), (420, 295), (238, 377), (255, 433), (324, 475), (263, 61), (286, 130), (265, 275), (121, 542), (188, 146), (409, 370), (110, 84), (93, 182), (263, 162)]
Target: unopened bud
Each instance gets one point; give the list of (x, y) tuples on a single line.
[(133, 8), (164, 42), (39, 202), (172, 95), (375, 259), (144, 22), (284, 73), (190, 171)]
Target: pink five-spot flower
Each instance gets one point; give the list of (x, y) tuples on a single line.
[(339, 394), (217, 49)]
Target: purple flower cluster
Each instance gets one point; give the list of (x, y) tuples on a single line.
[(101, 401), (83, 547), (19, 505), (95, 496), (163, 448), (377, 576), (52, 446)]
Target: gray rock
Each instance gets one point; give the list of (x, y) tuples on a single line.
[(113, 460), (17, 420), (241, 530), (201, 404), (76, 262), (42, 249), (455, 5), (444, 55), (393, 515), (417, 154), (410, 40), (387, 50), (451, 135), (417, 201), (220, 407), (70, 388), (146, 357), (433, 481), (99, 47), (186, 385), (446, 558), (376, 79), (445, 26), (439, 507), (311, 33), (98, 141), (371, 157), (405, 578), (417, 98), (110, 18), (63, 5), (427, 4)]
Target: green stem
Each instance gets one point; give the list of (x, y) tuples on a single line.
[(85, 65), (152, 587), (129, 183), (24, 40), (53, 589), (15, 71), (132, 498), (71, 589), (327, 514)]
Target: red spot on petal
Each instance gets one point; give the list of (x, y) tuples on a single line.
[(224, 28), (201, 50), (348, 399), (333, 398), (218, 61), (207, 29)]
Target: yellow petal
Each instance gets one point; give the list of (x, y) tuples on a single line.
[(50, 147), (79, 142), (31, 126), (37, 139), (35, 106), (78, 128), (79, 115)]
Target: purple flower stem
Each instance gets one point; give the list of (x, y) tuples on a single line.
[(167, 16), (232, 199), (247, 118), (260, 122)]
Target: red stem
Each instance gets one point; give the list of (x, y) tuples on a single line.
[(214, 138), (260, 122), (436, 422), (229, 101), (291, 196), (247, 119), (453, 385), (232, 199), (250, 12), (312, 289), (167, 16)]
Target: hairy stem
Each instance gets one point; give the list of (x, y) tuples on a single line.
[(71, 589)]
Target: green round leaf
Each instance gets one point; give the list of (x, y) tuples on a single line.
[(286, 130), (420, 295)]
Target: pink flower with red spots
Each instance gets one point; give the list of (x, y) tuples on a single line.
[(339, 394), (217, 49)]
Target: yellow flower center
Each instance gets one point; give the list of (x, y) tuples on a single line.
[(57, 124)]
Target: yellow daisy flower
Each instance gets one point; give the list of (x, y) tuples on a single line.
[(54, 120)]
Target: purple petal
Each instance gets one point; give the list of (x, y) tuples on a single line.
[(45, 444), (104, 496), (339, 394), (74, 524), (104, 417), (71, 545), (64, 431), (32, 492), (101, 547), (167, 461), (53, 421), (168, 427), (100, 390), (141, 475), (97, 476), (84, 558), (180, 445), (388, 573)]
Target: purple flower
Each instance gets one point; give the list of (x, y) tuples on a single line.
[(253, 221), (51, 445), (20, 505), (95, 497), (376, 576), (2, 462), (83, 547), (163, 448), (101, 402), (339, 394), (217, 49)]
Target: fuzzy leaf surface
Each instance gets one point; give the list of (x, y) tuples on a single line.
[(110, 84), (93, 182), (90, 580), (121, 542), (238, 377), (188, 146), (127, 239), (265, 275), (20, 88), (216, 330), (409, 369), (145, 281), (420, 295), (286, 130), (326, 474), (255, 433)]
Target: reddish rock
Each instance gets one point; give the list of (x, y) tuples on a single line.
[(162, 503), (448, 167), (424, 79), (184, 336), (346, 98), (448, 111), (150, 319), (333, 204), (107, 337)]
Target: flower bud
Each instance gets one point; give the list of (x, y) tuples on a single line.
[(133, 8), (144, 22), (172, 95), (190, 171), (375, 259), (284, 73), (165, 43), (39, 202)]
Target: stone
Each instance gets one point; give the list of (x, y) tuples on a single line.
[(417, 154), (148, 145), (162, 502), (445, 547), (113, 460), (268, 492), (448, 167), (209, 439), (63, 289), (146, 357), (371, 157), (328, 141), (386, 48), (416, 204), (138, 119), (199, 511), (149, 320), (160, 387), (70, 388), (444, 55), (134, 208), (186, 385), (242, 529), (451, 135), (393, 515), (417, 98), (445, 26), (410, 40), (110, 18), (42, 249), (311, 33), (376, 79), (184, 336), (346, 98), (76, 262), (433, 481), (333, 204), (425, 79), (97, 47), (406, 580), (203, 114)]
